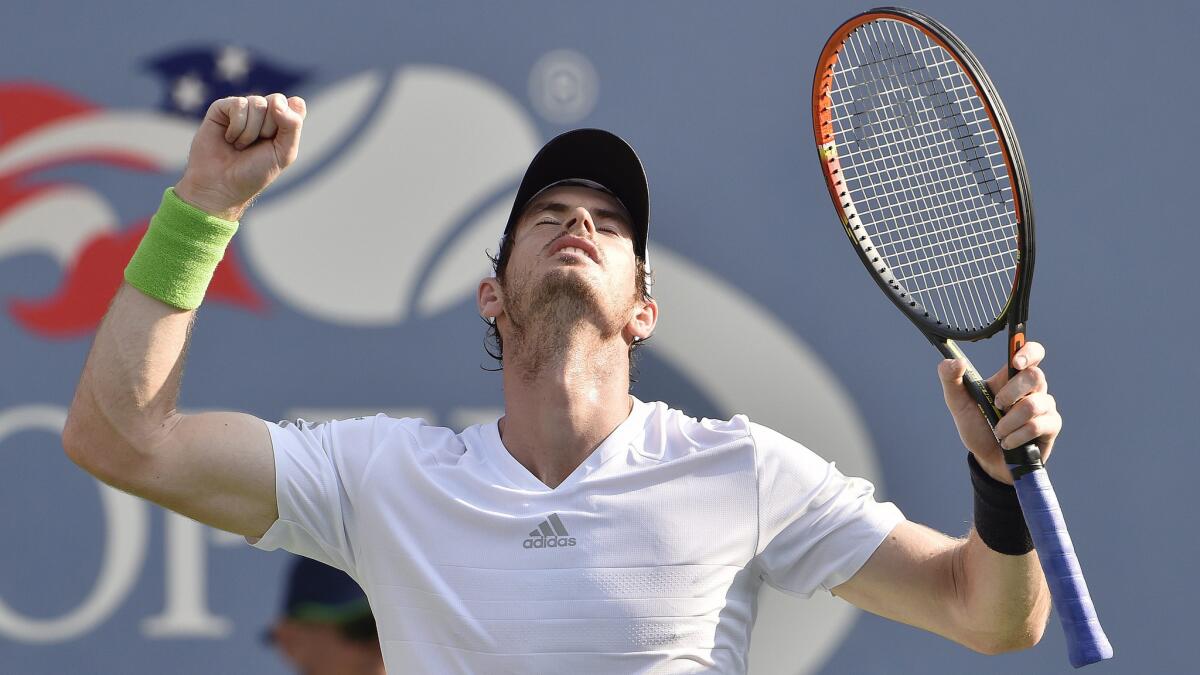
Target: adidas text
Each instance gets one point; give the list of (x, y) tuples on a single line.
[(548, 542)]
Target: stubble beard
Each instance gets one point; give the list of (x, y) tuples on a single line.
[(545, 320)]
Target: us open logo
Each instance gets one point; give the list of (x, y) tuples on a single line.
[(390, 142)]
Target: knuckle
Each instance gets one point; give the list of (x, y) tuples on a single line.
[(1041, 426), (1038, 375), (1013, 439), (1027, 406), (1038, 405)]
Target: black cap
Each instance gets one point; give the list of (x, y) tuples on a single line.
[(591, 155)]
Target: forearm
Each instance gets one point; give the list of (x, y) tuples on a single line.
[(123, 428), (126, 398), (958, 588), (1003, 598)]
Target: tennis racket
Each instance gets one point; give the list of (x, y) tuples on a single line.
[(926, 175)]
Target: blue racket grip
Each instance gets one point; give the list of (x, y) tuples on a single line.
[(1086, 642)]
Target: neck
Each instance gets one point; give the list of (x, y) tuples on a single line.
[(564, 393)]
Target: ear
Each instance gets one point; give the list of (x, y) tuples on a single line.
[(490, 298), (644, 319)]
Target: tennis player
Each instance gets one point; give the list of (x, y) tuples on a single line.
[(583, 531)]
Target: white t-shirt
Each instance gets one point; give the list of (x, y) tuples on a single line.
[(647, 559)]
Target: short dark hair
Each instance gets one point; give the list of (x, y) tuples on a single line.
[(494, 344)]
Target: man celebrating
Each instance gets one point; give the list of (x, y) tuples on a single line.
[(584, 530)]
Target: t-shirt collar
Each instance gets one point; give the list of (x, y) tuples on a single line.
[(616, 443)]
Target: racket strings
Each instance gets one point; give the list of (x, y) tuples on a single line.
[(957, 302), (925, 172)]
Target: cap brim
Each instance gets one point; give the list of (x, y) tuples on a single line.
[(595, 155)]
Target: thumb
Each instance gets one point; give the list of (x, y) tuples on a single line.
[(950, 372), (298, 106), (289, 118)]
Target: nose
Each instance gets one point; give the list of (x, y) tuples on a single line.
[(580, 222)]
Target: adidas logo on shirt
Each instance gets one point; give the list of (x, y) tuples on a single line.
[(550, 533)]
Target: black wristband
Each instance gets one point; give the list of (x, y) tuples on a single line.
[(998, 517)]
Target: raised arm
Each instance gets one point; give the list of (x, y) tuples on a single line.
[(123, 426), (986, 592)]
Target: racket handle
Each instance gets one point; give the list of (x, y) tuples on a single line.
[(1086, 642)]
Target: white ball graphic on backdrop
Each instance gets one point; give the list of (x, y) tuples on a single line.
[(349, 245)]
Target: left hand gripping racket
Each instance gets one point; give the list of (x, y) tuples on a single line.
[(925, 172)]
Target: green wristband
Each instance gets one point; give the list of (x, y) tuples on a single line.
[(179, 253)]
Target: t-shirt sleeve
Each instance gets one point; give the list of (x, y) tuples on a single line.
[(817, 527), (318, 470)]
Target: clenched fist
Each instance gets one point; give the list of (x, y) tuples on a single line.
[(243, 144)]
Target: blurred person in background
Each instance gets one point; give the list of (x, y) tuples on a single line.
[(326, 626)]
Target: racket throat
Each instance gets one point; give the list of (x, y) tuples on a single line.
[(1016, 340)]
